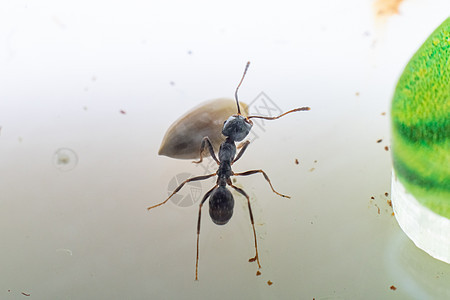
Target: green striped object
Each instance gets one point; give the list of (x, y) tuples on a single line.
[(421, 123)]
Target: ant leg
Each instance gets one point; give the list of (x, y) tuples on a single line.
[(198, 226), (244, 146), (265, 176), (206, 142), (180, 186), (274, 118), (241, 191)]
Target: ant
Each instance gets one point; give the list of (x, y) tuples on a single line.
[(221, 201)]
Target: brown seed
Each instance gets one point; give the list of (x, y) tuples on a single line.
[(184, 137)]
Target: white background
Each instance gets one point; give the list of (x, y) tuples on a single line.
[(107, 78)]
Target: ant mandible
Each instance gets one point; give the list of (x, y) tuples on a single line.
[(221, 201)]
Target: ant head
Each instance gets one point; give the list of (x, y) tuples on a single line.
[(237, 127)]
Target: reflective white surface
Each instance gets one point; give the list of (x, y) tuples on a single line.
[(103, 80), (428, 230)]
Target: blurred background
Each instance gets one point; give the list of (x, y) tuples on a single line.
[(88, 90)]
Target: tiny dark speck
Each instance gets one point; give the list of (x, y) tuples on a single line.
[(123, 112)]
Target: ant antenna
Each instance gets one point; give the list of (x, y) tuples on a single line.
[(288, 112), (235, 94)]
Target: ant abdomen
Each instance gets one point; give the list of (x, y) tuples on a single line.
[(221, 204)]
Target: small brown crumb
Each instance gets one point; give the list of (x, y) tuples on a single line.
[(258, 273), (312, 169), (383, 113), (315, 161), (379, 141), (389, 202), (392, 214), (25, 294), (386, 194), (373, 198), (386, 148), (393, 287), (296, 161), (123, 112), (252, 259), (378, 209), (269, 282)]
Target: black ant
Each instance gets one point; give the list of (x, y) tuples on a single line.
[(221, 201)]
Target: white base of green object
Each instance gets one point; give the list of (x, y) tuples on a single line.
[(428, 230)]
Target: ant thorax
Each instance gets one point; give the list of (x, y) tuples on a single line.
[(237, 127), (227, 151)]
